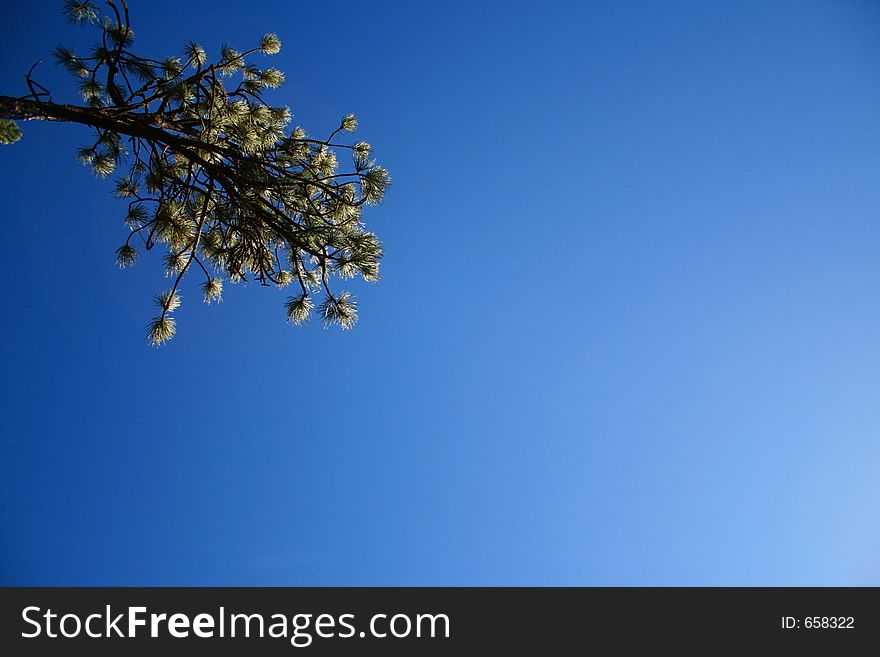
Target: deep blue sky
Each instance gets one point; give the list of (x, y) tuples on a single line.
[(627, 331)]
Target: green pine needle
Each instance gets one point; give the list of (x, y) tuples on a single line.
[(9, 132), (126, 256), (299, 309), (212, 290), (160, 330), (270, 44)]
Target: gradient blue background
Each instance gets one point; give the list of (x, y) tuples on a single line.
[(627, 332)]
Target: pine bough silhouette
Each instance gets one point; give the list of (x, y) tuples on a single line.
[(212, 172)]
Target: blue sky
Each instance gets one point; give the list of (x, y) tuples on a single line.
[(626, 333)]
